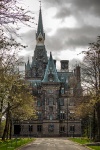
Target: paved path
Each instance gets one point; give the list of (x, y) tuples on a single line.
[(53, 144)]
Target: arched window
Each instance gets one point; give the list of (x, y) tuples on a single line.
[(62, 115)]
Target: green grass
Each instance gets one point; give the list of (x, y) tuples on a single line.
[(84, 141), (80, 140), (14, 143), (95, 147)]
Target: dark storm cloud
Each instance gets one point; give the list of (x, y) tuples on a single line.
[(63, 12), (92, 6), (71, 39), (64, 38), (87, 6)]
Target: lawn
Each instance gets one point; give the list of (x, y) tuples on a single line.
[(95, 147), (85, 141), (80, 140), (14, 143)]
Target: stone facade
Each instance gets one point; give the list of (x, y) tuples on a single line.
[(56, 94)]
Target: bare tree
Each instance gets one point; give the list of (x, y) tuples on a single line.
[(91, 77)]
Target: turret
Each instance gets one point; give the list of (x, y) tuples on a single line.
[(77, 73), (27, 70), (51, 73)]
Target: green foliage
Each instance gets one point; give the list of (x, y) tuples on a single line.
[(14, 143)]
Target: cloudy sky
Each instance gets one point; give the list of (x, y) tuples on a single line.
[(69, 26)]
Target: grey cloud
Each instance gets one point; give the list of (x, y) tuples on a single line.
[(77, 6), (92, 6), (63, 12), (73, 63), (66, 38)]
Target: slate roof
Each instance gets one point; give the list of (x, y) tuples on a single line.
[(51, 70)]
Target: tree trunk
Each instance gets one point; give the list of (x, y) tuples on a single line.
[(98, 120), (10, 132), (1, 114), (6, 127), (6, 130), (94, 125), (7, 134)]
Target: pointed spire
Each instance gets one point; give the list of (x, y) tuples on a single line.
[(28, 65), (51, 72), (50, 56), (40, 24)]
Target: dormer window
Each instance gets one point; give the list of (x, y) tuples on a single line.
[(50, 77)]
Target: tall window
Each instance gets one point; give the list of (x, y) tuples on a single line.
[(51, 101), (51, 117), (51, 128), (39, 114), (30, 128), (51, 77), (38, 103), (72, 128), (61, 101), (62, 129), (62, 115), (39, 128)]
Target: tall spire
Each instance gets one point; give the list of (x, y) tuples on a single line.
[(40, 24)]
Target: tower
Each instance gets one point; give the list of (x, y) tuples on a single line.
[(39, 59)]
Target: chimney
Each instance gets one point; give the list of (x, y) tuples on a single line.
[(64, 65)]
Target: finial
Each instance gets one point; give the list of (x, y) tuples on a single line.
[(40, 4)]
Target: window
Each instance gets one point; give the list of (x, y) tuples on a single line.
[(30, 128), (61, 102), (62, 115), (71, 102), (62, 129), (51, 77), (38, 103), (51, 109), (51, 101), (39, 114), (72, 128), (51, 117), (51, 128), (39, 128), (62, 90), (71, 115)]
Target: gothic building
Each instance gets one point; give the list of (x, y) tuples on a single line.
[(56, 93)]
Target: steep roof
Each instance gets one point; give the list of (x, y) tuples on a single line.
[(40, 25), (50, 72)]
